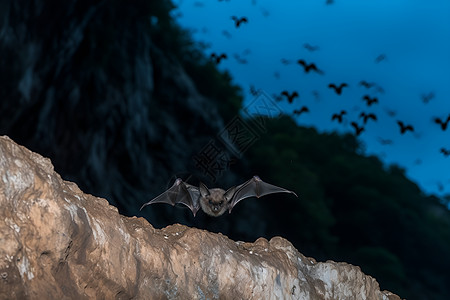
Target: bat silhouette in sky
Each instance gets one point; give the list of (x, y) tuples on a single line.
[(443, 124), (291, 96), (367, 117), (446, 152), (369, 100), (358, 129), (215, 201), (218, 58), (298, 112), (310, 67), (404, 128), (338, 116), (366, 84), (427, 97), (310, 47), (384, 141), (239, 21), (337, 88)]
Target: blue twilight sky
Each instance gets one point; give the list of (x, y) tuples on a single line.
[(410, 38)]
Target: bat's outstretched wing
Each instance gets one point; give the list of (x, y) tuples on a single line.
[(179, 192), (255, 187)]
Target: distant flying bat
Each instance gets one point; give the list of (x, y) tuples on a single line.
[(369, 100), (291, 96), (404, 128), (390, 112), (337, 89), (276, 75), (239, 59), (285, 61), (380, 58), (366, 84), (310, 48), (254, 91), (215, 201), (446, 152), (329, 2), (338, 116), (298, 112), (311, 66), (358, 129), (442, 123), (239, 21), (367, 116), (218, 58), (427, 97), (226, 34), (316, 95), (384, 141)]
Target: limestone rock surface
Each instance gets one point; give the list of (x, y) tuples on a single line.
[(57, 242)]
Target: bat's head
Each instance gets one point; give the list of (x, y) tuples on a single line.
[(213, 202)]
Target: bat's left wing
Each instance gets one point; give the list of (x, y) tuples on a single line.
[(255, 187)]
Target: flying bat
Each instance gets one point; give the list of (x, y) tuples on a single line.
[(310, 47), (218, 58), (239, 21), (358, 129), (442, 123), (446, 152), (311, 66), (337, 88), (367, 116), (404, 128), (427, 97), (338, 116), (291, 96), (298, 112), (366, 84), (369, 100), (215, 201)]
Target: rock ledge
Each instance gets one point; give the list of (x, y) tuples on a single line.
[(58, 243)]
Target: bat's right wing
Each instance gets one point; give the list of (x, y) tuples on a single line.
[(254, 187), (179, 192)]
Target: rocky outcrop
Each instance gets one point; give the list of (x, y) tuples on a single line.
[(57, 242)]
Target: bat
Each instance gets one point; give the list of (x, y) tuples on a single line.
[(215, 202), (367, 116), (442, 123), (385, 141), (380, 58), (338, 116), (358, 129), (337, 89), (446, 152), (369, 100), (239, 21), (218, 58), (226, 34), (285, 61), (310, 47), (427, 97), (404, 128), (311, 66), (366, 84), (298, 112), (239, 59), (291, 96)]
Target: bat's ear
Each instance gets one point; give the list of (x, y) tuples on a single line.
[(229, 193), (204, 191)]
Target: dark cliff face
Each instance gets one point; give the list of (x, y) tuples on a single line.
[(87, 84)]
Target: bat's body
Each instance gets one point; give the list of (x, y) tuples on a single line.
[(216, 201)]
